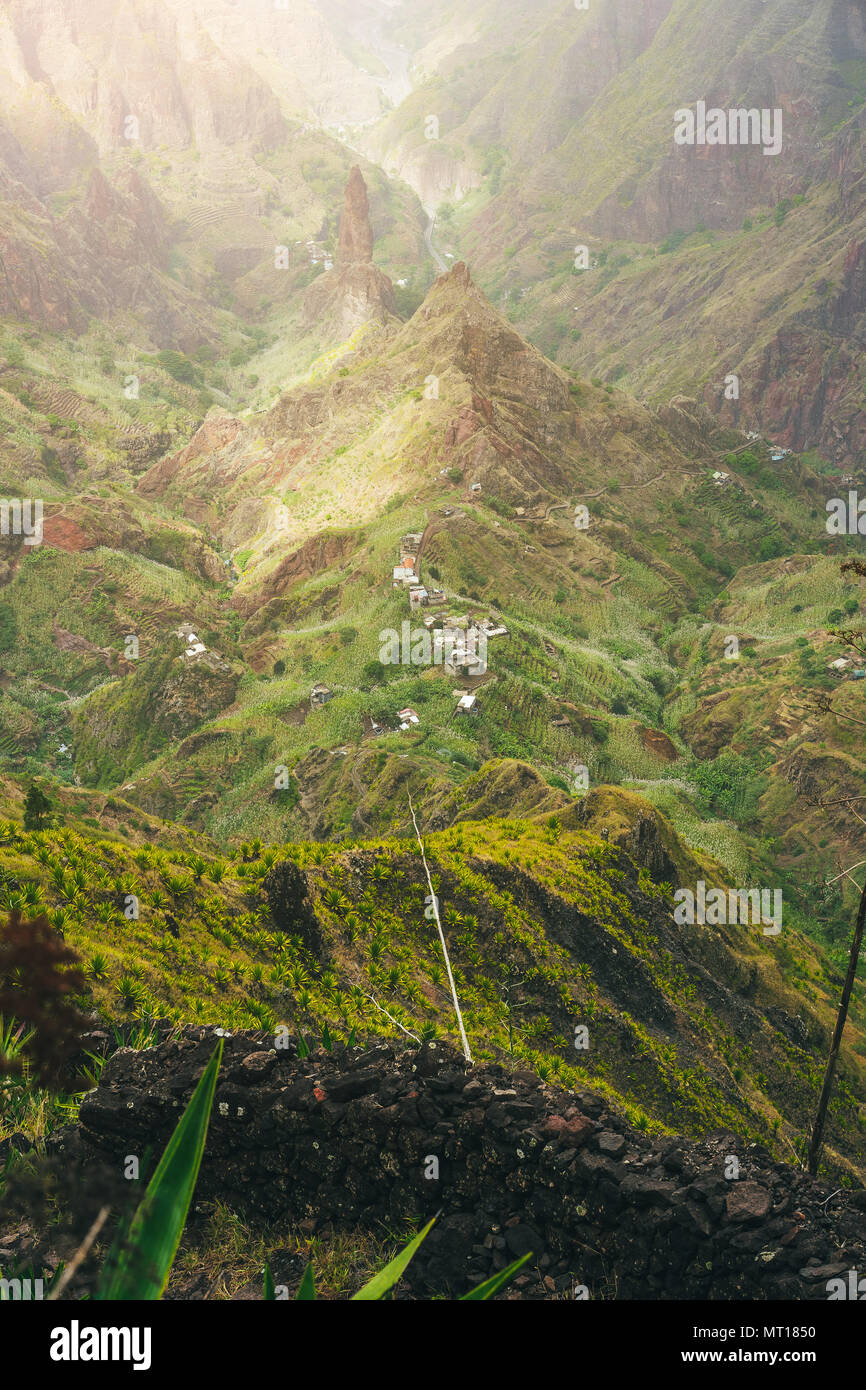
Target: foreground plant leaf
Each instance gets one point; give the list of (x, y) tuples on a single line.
[(385, 1280), (491, 1286), (144, 1260)]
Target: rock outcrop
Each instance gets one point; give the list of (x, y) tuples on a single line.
[(353, 1138), (356, 231), (355, 291)]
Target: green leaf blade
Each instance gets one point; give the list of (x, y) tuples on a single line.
[(385, 1280), (144, 1262), (491, 1286)]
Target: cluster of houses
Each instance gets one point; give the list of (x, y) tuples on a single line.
[(778, 454), (460, 641), (406, 575), (316, 253), (194, 646), (463, 639), (844, 666)]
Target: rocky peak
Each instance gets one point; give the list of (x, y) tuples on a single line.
[(458, 276), (356, 230), (355, 291)]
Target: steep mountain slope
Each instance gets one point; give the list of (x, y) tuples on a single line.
[(709, 260), (550, 928), (591, 529), (163, 206), (606, 663), (595, 164)]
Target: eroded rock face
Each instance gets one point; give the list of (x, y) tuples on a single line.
[(65, 534), (318, 554), (194, 692), (645, 846), (347, 1139)]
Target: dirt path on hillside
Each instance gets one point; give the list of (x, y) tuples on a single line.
[(428, 241), (361, 791)]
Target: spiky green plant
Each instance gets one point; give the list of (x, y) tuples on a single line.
[(140, 1265), (382, 1283)]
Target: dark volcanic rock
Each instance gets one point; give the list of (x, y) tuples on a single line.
[(288, 896), (357, 1138)]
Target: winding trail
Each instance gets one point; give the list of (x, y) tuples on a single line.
[(428, 241), (361, 792)]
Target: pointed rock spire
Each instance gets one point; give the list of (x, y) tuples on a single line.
[(356, 231)]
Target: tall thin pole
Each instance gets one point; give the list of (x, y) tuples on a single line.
[(435, 902), (823, 1103)]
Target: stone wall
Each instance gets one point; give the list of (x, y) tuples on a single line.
[(358, 1137)]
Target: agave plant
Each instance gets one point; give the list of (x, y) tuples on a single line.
[(129, 991), (60, 917), (126, 884), (382, 1284), (140, 1264), (178, 884), (196, 866), (263, 1014), (14, 1037), (98, 965)]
